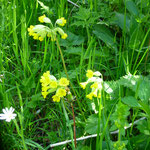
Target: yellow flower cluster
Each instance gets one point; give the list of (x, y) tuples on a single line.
[(96, 80), (39, 32), (51, 84)]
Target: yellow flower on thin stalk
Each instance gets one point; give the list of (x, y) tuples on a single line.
[(96, 87), (50, 84), (64, 82), (39, 32)]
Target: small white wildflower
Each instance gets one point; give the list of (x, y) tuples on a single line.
[(8, 114)]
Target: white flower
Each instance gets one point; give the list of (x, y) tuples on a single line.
[(97, 73), (8, 114)]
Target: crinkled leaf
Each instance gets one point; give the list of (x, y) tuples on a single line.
[(92, 124), (143, 127), (82, 14), (112, 88), (138, 84), (79, 23), (144, 89)]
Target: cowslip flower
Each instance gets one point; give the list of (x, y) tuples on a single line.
[(50, 84), (39, 32), (63, 82), (45, 19), (62, 21), (96, 87), (90, 73), (8, 114)]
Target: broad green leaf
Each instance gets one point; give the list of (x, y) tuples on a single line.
[(144, 89), (92, 124), (122, 21), (145, 107), (143, 127), (130, 101), (72, 40), (131, 7), (130, 81), (138, 84), (74, 50), (136, 37), (103, 33)]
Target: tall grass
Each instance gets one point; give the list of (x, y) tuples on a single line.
[(115, 51)]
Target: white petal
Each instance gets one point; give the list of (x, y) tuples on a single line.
[(52, 77), (97, 73), (8, 119), (11, 109), (2, 117), (4, 111)]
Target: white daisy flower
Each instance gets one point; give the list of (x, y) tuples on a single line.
[(8, 114)]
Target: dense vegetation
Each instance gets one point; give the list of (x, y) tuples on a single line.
[(100, 46)]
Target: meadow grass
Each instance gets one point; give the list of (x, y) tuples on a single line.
[(111, 37)]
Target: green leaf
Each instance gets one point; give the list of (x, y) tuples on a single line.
[(74, 50), (79, 23), (112, 88), (120, 20), (72, 40), (144, 89), (145, 107), (130, 101), (92, 124), (131, 7), (103, 33), (82, 14), (143, 127), (136, 37), (138, 84)]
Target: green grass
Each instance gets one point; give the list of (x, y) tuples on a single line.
[(111, 37)]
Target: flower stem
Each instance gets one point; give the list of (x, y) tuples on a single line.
[(74, 126), (63, 61)]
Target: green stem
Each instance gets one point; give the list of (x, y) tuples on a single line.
[(20, 133), (68, 122), (65, 69)]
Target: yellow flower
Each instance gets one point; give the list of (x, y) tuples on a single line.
[(40, 38), (83, 85), (35, 36), (53, 84), (56, 98), (64, 36), (94, 93), (90, 96), (45, 88), (61, 92), (43, 19), (45, 79), (62, 21), (45, 93), (89, 73), (63, 82), (94, 85)]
